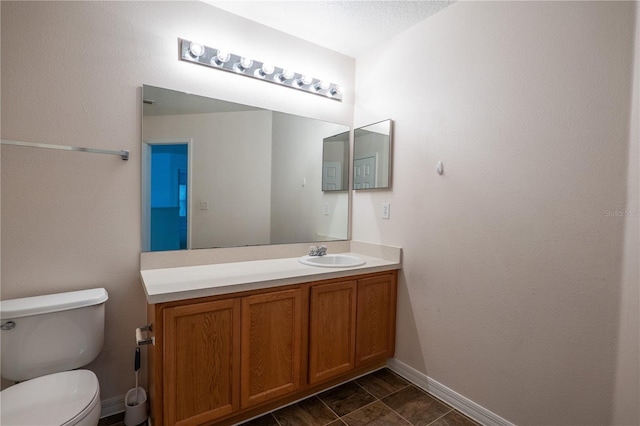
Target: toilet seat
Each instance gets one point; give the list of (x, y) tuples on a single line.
[(64, 398)]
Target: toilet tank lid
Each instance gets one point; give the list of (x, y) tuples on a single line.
[(36, 305)]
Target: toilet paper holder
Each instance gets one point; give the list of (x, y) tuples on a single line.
[(145, 341)]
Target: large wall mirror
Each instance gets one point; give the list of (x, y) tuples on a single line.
[(372, 156), (220, 174)]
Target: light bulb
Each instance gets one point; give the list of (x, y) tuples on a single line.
[(265, 70), (285, 75), (246, 62), (243, 65), (321, 85), (304, 80), (336, 91), (196, 50), (221, 57)]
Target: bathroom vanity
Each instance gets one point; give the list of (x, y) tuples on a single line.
[(234, 340)]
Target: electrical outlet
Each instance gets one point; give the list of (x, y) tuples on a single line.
[(385, 210), (204, 205)]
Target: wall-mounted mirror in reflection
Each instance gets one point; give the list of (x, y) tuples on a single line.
[(372, 156), (220, 174), (335, 162)]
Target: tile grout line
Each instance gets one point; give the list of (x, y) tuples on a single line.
[(393, 393), (327, 405), (399, 415), (275, 418), (380, 400), (445, 414), (427, 393), (361, 408)]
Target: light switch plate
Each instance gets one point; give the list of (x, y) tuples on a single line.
[(385, 210)]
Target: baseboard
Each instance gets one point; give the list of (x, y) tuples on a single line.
[(457, 401), (112, 406)]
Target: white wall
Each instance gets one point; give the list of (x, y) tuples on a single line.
[(512, 271), (72, 73), (626, 395)]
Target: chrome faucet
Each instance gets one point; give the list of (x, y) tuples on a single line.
[(317, 250)]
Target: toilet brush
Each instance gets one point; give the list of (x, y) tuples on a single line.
[(135, 408), (136, 367)]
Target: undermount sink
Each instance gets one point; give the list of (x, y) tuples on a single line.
[(333, 261)]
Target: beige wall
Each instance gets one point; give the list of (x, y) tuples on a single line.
[(512, 276), (72, 74)]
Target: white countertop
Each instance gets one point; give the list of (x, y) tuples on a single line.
[(188, 282)]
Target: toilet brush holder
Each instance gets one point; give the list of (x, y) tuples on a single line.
[(135, 407)]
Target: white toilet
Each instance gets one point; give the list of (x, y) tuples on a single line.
[(43, 338)]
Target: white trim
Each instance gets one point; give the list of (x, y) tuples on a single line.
[(457, 401), (111, 406)]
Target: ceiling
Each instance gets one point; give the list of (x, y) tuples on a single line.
[(351, 27)]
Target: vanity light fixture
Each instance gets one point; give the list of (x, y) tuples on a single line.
[(224, 60)]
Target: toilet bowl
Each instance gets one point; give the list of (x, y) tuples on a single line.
[(70, 398)]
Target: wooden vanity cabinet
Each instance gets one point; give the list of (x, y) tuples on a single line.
[(220, 359)]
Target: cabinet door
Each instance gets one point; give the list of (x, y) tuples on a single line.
[(271, 344), (376, 319), (332, 330), (201, 367)]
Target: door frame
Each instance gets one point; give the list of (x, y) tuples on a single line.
[(146, 186)]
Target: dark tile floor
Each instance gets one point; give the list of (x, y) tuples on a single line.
[(380, 398)]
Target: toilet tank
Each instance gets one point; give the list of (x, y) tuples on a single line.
[(51, 333)]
